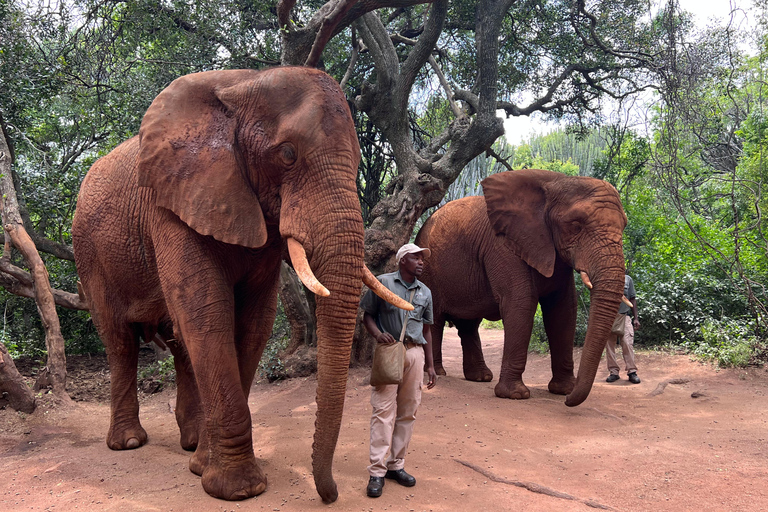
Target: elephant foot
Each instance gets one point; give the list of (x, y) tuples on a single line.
[(122, 438), (234, 481), (562, 386), (190, 436), (439, 369), (515, 390), (199, 461), (478, 374)]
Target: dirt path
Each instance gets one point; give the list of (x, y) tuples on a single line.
[(699, 444)]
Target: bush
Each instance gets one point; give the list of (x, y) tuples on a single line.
[(492, 324), (154, 377), (727, 342)]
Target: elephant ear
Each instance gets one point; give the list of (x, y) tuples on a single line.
[(187, 156), (517, 203)]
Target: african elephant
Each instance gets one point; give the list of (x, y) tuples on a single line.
[(178, 236), (500, 255)]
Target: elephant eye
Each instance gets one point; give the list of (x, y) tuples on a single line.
[(287, 154)]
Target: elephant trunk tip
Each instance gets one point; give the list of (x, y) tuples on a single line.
[(328, 494), (576, 398)]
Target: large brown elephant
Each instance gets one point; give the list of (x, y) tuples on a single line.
[(498, 256), (178, 236)]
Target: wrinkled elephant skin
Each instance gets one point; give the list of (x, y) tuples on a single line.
[(179, 233), (499, 255)]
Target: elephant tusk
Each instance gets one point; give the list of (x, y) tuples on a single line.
[(301, 266), (382, 291), (585, 278), (626, 301)]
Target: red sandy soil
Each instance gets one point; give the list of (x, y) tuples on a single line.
[(689, 437)]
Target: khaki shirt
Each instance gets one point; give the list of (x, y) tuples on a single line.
[(390, 318)]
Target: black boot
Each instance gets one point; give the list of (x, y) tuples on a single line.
[(401, 477), (375, 486)]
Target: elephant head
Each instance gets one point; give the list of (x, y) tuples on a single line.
[(544, 215), (239, 154)]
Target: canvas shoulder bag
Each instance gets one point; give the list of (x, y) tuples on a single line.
[(618, 324), (389, 358)]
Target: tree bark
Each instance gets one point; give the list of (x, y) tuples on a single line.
[(54, 374), (21, 283), (297, 310), (13, 391)]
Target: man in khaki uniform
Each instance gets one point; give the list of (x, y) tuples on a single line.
[(627, 341), (395, 405)]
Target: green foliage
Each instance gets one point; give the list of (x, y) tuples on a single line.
[(539, 342), (728, 343), (492, 324), (162, 371)]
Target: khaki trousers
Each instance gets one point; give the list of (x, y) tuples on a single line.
[(394, 413), (627, 343)]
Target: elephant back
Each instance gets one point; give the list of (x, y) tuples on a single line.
[(459, 235), (111, 228)]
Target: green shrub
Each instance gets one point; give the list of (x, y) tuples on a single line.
[(539, 342), (491, 324), (161, 371), (727, 342)]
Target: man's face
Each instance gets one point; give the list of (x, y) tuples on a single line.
[(413, 263)]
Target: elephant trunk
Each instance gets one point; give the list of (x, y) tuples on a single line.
[(336, 315), (330, 229), (608, 285)]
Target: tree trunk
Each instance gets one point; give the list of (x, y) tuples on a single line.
[(55, 373), (13, 391), (297, 309)]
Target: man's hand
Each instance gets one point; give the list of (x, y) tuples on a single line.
[(385, 337), (432, 377), (636, 324)]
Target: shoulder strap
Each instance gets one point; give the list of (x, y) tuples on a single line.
[(405, 321)]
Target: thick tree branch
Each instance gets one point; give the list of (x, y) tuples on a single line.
[(284, 8), (21, 283), (421, 52), (298, 42), (20, 397), (377, 40), (55, 373), (326, 31)]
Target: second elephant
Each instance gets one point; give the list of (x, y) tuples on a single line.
[(498, 256)]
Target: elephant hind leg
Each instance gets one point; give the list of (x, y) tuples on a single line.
[(473, 361), (189, 415), (125, 430)]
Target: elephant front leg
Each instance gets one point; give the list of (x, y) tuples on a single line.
[(224, 456), (473, 361), (518, 325), (559, 316), (125, 430)]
